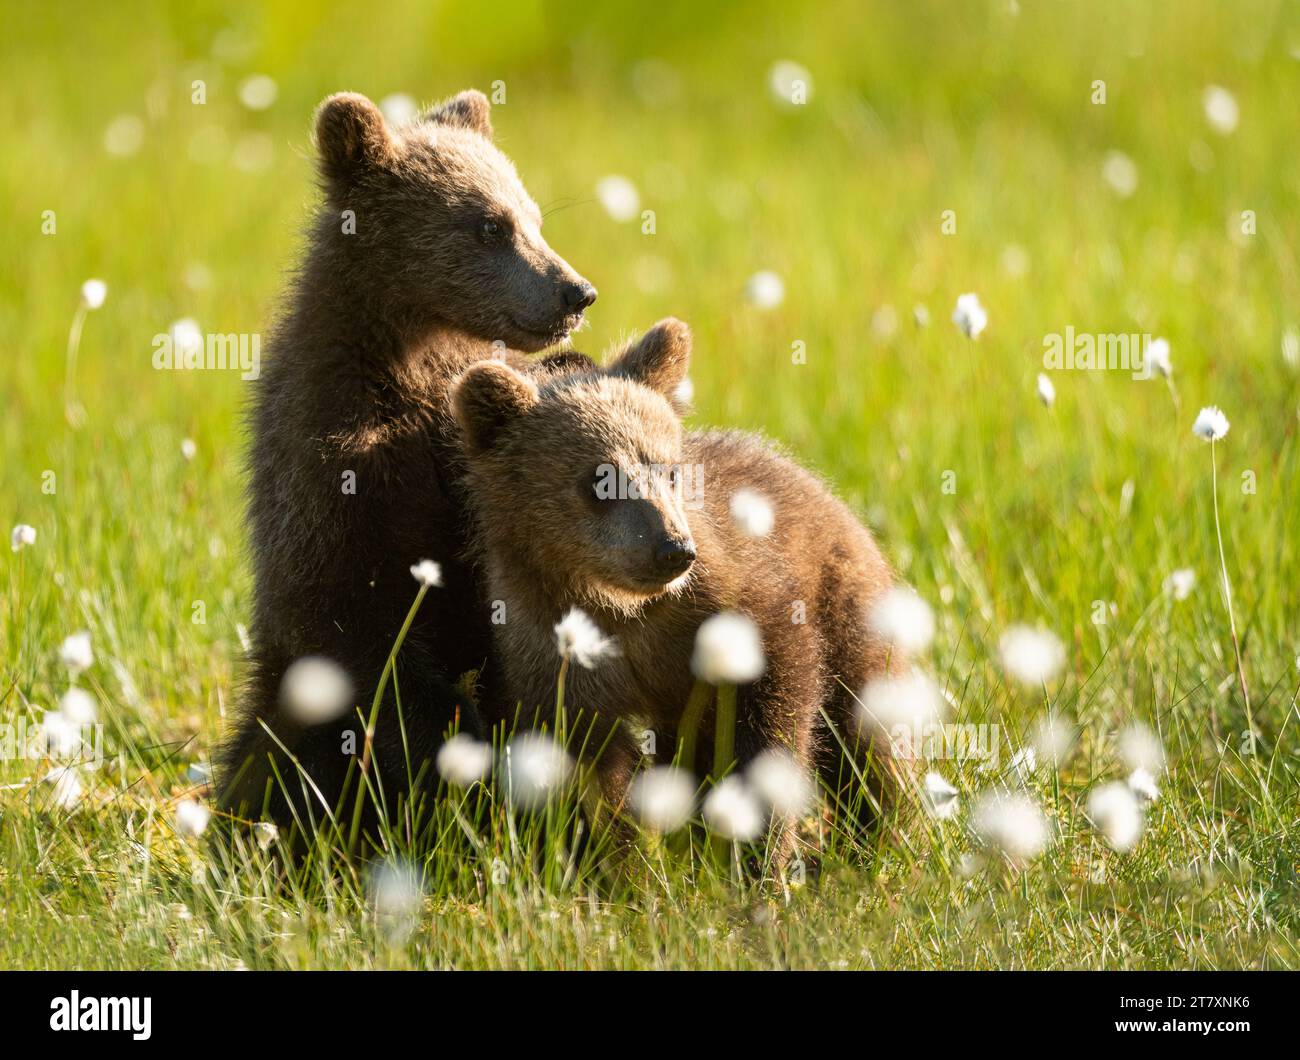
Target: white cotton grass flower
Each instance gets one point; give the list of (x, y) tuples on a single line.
[(399, 109), (192, 817), (68, 789), (427, 573), (1120, 172), (316, 690), (578, 638), (752, 513), (921, 315), (1291, 348), (941, 798), (396, 895), (536, 768), (93, 293), (1158, 358), (969, 316), (728, 650), (265, 833), (765, 290), (258, 92), (1054, 739), (903, 619), (619, 197), (124, 135), (78, 707), (58, 737), (189, 448), (789, 82), (1221, 109), (1142, 783), (199, 773), (733, 811), (463, 760), (76, 653), (1140, 748), (22, 536), (1211, 424), (781, 782), (1031, 656), (1012, 824), (1046, 390), (903, 708), (1180, 583), (663, 798), (1115, 812), (187, 338)]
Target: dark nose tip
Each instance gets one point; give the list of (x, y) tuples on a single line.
[(577, 296), (674, 557)]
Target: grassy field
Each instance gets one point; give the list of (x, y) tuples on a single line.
[(998, 509)]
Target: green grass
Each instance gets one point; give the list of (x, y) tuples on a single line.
[(917, 109)]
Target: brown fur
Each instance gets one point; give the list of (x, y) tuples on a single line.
[(547, 545), (378, 325)]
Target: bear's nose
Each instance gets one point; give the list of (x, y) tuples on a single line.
[(577, 296), (673, 558)]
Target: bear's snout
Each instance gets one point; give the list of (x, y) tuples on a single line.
[(673, 558), (578, 296)]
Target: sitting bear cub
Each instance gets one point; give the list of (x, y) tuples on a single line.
[(649, 568)]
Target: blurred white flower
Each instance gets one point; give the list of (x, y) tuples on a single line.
[(619, 197), (765, 289), (1220, 109), (901, 617), (1023, 765), (1011, 823), (1120, 172), (728, 650), (1032, 656), (399, 109), (189, 449), (1015, 260), (75, 653), (536, 767), (1143, 784), (58, 736), (1114, 811), (78, 707), (396, 895), (1046, 391), (124, 135), (463, 760), (93, 293), (733, 811), (1158, 358), (315, 690), (22, 536), (191, 817), (258, 92), (941, 798), (199, 773), (187, 338), (1211, 424), (265, 833), (752, 513), (427, 573), (68, 789), (903, 709), (1180, 583), (969, 316), (1140, 748), (789, 82), (578, 638), (781, 782), (920, 315), (1291, 347), (1053, 739), (663, 798)]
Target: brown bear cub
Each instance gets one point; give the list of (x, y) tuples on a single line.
[(426, 256), (651, 565)]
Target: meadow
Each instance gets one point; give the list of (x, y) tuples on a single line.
[(1069, 163)]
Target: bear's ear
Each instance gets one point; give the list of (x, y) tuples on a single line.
[(351, 136), (469, 109), (487, 397), (659, 359)]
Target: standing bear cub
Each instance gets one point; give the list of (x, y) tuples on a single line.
[(425, 256), (649, 567)]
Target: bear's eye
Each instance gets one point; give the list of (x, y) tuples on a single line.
[(490, 230)]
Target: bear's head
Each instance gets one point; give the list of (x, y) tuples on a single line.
[(579, 481), (443, 231)]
